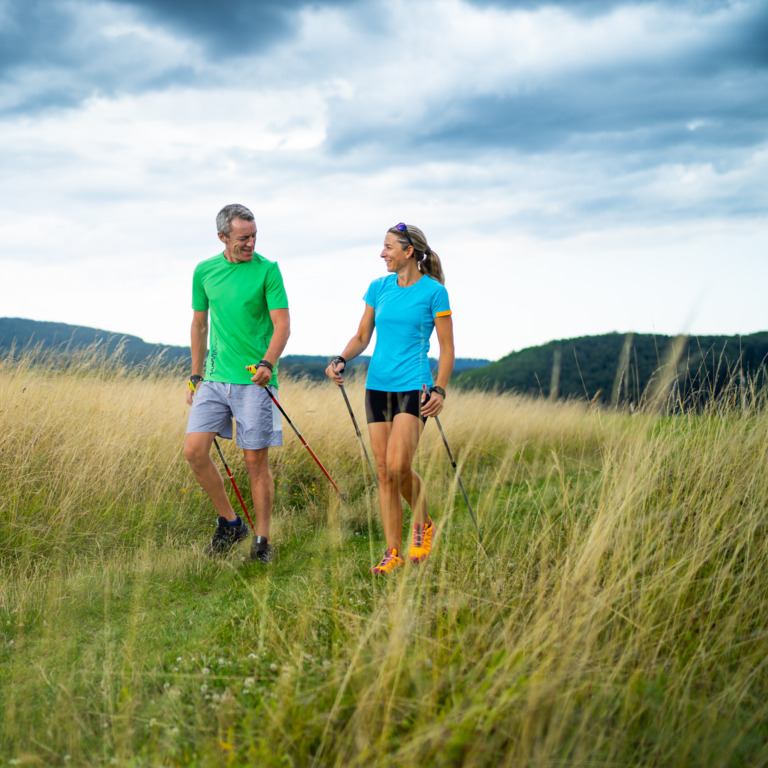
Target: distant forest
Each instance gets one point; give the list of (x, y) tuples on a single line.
[(619, 368), (613, 368), (47, 337)]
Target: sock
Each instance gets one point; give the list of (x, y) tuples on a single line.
[(236, 521)]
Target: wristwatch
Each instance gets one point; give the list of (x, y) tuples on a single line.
[(194, 380), (440, 391)]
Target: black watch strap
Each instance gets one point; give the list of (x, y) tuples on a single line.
[(194, 380), (440, 391)]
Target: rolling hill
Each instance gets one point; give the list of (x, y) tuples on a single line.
[(20, 334), (619, 367)]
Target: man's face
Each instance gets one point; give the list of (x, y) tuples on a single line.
[(240, 242)]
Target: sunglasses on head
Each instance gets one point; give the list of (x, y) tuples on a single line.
[(404, 228)]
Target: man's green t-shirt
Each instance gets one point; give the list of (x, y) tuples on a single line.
[(239, 298)]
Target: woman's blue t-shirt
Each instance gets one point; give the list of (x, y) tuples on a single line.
[(405, 319)]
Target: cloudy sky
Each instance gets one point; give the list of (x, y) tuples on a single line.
[(581, 166)]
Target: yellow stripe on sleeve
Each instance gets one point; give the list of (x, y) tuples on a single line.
[(443, 314)]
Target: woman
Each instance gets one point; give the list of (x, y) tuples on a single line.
[(404, 307)]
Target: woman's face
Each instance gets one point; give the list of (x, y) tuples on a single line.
[(394, 255)]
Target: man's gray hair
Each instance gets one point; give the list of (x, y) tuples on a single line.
[(229, 212)]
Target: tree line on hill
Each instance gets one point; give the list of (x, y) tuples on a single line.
[(612, 368), (44, 338), (623, 368)]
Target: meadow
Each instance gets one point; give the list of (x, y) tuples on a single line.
[(619, 616)]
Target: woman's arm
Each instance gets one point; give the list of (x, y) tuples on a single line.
[(444, 328), (355, 346)]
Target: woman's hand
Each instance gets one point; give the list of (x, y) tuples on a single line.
[(335, 369), (432, 404)]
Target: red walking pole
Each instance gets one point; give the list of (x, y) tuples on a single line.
[(252, 369), (234, 484)]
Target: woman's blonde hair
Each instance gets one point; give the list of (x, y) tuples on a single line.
[(426, 259)]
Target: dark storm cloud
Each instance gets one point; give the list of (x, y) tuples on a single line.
[(634, 114), (46, 61), (225, 27), (688, 105), (54, 53), (51, 56), (682, 104), (597, 7), (745, 40), (230, 27), (32, 32)]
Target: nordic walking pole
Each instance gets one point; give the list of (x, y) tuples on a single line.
[(252, 369), (458, 477), (359, 436), (234, 484)]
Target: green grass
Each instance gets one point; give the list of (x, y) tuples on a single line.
[(619, 618)]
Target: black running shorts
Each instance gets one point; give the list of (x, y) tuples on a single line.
[(384, 406)]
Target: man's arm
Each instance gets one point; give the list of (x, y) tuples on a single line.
[(281, 330), (198, 345), (281, 324)]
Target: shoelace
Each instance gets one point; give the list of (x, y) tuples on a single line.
[(386, 560), (418, 535)]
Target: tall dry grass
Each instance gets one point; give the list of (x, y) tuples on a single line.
[(618, 619)]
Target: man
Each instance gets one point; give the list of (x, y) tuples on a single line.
[(249, 324)]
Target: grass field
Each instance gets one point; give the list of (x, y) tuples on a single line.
[(620, 618)]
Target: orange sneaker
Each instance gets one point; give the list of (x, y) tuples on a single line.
[(422, 541), (389, 562)]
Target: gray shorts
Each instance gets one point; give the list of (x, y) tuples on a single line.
[(259, 424)]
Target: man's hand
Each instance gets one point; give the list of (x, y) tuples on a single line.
[(262, 373), (192, 385)]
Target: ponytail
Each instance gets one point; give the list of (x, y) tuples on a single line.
[(430, 265)]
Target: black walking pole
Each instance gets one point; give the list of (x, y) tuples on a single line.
[(359, 436), (458, 477)]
